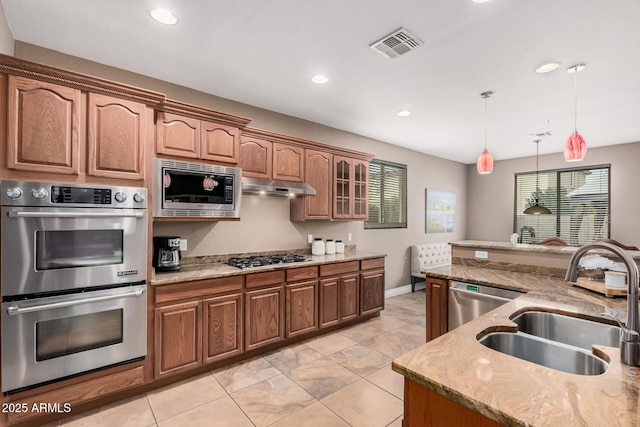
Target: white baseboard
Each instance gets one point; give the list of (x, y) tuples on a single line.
[(406, 289)]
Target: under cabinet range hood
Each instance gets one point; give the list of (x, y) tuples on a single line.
[(271, 187)]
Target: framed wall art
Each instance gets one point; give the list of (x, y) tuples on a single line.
[(440, 211)]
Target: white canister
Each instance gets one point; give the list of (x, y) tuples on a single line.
[(615, 279), (330, 247), (339, 247), (317, 247)]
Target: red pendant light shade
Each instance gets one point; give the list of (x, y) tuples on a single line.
[(575, 149), (485, 159), (485, 162)]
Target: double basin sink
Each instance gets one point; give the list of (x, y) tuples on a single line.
[(556, 341)]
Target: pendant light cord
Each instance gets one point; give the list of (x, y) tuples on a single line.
[(575, 106), (485, 123)]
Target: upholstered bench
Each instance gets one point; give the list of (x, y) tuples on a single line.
[(424, 257)]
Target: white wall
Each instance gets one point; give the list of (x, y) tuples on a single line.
[(6, 38), (265, 224), (491, 197)]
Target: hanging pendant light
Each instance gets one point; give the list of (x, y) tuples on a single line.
[(537, 208), (575, 149), (485, 159)]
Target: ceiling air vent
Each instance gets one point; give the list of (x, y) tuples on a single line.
[(397, 43)]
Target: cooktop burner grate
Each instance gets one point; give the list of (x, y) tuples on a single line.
[(260, 260)]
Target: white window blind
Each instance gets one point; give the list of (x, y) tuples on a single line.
[(387, 195), (579, 203)]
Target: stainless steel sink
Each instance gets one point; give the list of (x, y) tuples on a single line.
[(568, 330), (544, 352)]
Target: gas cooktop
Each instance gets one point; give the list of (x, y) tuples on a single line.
[(260, 260)]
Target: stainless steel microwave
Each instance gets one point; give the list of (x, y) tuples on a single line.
[(194, 190)]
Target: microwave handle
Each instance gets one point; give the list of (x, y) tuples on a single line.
[(12, 310), (17, 214)]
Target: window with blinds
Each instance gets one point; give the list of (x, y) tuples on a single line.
[(387, 195), (578, 199)]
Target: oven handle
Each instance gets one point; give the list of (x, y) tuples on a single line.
[(15, 214), (13, 310)]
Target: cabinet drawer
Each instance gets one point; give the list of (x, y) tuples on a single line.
[(257, 280), (368, 264), (303, 273), (339, 268), (197, 289)]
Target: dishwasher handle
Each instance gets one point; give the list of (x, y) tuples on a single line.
[(478, 295)]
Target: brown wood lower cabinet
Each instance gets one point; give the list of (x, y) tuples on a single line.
[(264, 317), (178, 338), (222, 327), (339, 295), (437, 306), (302, 308), (372, 286), (423, 408)]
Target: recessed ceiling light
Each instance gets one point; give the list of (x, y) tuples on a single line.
[(163, 16), (319, 79), (548, 67), (404, 113), (480, 1)]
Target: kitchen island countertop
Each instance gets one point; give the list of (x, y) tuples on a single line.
[(515, 392), (219, 269)]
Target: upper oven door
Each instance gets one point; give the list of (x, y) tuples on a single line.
[(53, 249)]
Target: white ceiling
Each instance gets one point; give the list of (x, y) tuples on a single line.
[(264, 53)]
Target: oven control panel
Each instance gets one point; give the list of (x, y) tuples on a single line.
[(19, 193)]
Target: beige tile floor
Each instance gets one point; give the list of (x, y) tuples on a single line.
[(340, 379)]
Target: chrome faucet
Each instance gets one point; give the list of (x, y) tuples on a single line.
[(630, 337)]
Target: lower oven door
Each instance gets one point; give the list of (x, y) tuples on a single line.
[(46, 339)]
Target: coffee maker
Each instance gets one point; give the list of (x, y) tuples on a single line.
[(166, 253)]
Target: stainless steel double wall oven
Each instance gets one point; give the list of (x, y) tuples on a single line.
[(74, 262)]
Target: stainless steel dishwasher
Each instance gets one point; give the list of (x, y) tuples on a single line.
[(468, 301)]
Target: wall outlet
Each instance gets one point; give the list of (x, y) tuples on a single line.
[(349, 237), (482, 254), (183, 244), (309, 238)]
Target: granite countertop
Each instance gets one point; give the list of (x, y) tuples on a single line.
[(526, 247), (212, 270), (519, 393)]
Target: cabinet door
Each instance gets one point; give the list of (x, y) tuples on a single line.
[(264, 317), (360, 189), (329, 301), (288, 162), (437, 294), (222, 327), (116, 142), (256, 159), (349, 297), (318, 174), (371, 291), (301, 303), (43, 127), (177, 135), (178, 338), (342, 187), (220, 143)]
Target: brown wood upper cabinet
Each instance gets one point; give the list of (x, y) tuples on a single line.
[(288, 162), (116, 137), (318, 174), (183, 136), (256, 157), (350, 188), (264, 158), (43, 127), (47, 125)]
